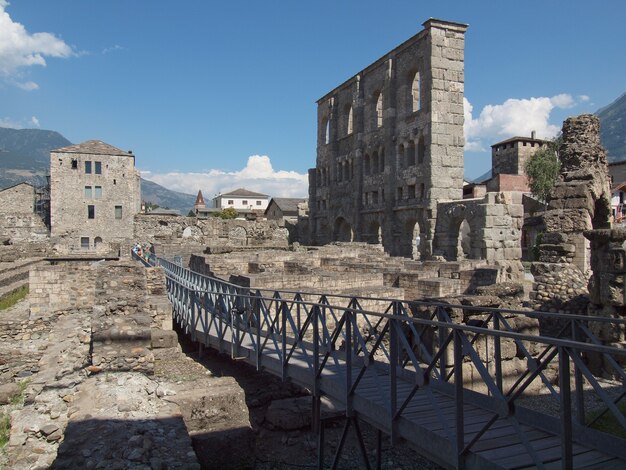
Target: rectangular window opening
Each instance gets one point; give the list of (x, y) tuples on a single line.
[(84, 243), (88, 193), (87, 167), (98, 192), (91, 212), (118, 212), (98, 168), (74, 164)]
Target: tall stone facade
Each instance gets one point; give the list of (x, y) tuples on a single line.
[(95, 194), (390, 145)]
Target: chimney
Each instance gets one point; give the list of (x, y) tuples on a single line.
[(532, 135)]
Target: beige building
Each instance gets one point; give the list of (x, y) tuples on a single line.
[(95, 194)]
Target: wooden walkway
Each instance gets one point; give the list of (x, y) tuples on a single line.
[(404, 375)]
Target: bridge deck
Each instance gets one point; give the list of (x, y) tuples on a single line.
[(429, 418)]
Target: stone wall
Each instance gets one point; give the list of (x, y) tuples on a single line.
[(121, 335), (18, 199), (22, 232), (61, 287)]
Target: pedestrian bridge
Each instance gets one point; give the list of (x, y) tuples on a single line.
[(411, 372)]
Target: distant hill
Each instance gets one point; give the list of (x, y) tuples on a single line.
[(25, 156), (613, 128), (157, 194)]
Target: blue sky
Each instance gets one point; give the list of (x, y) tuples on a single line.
[(215, 95)]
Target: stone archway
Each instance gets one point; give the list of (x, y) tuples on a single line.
[(374, 234), (417, 240), (342, 231), (464, 241)]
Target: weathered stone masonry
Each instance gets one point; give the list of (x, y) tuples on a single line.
[(390, 145)]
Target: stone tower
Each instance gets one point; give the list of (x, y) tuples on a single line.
[(390, 145), (94, 196)]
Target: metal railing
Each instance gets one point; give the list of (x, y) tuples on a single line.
[(420, 344)]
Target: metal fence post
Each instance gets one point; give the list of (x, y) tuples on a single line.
[(497, 352), (566, 408), (458, 397), (394, 360), (348, 352)]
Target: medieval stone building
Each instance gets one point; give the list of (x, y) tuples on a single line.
[(95, 194), (390, 145)]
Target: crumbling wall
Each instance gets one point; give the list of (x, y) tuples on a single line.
[(183, 236), (580, 201), (581, 197)]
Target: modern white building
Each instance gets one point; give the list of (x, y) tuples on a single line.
[(242, 200)]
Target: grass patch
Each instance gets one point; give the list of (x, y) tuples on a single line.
[(18, 399), (5, 428), (608, 422), (13, 298)]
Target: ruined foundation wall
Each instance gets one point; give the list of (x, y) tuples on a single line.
[(183, 236), (127, 303)]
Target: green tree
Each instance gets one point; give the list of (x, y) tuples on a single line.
[(228, 213), (543, 169)]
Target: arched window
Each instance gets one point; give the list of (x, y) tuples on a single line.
[(421, 150), (378, 114), (349, 122), (326, 130), (97, 241), (410, 154), (415, 92)]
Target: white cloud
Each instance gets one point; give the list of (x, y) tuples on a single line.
[(512, 118), (258, 175), (8, 122), (114, 48), (19, 124), (20, 49), (583, 98)]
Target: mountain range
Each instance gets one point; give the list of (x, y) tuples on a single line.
[(25, 156), (613, 129)]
